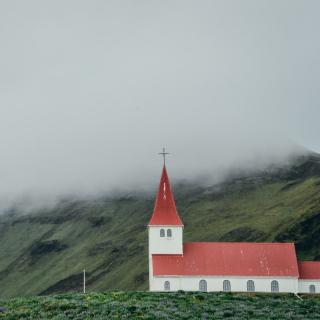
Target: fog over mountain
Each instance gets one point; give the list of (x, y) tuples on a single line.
[(90, 91)]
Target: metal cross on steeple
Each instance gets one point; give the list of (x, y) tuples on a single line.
[(164, 153)]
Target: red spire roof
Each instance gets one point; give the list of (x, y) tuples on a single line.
[(165, 211)]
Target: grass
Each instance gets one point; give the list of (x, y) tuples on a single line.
[(145, 305)]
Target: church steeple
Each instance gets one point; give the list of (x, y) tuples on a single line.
[(165, 212), (165, 229)]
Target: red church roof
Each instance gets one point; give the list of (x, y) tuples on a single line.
[(229, 259), (309, 270), (165, 211)]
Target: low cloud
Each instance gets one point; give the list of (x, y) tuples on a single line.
[(91, 92)]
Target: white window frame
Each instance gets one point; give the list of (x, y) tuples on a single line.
[(203, 286), (275, 286), (226, 285), (166, 285), (312, 288), (251, 286)]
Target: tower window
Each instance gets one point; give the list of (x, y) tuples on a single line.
[(312, 288), (250, 286), (167, 286), (203, 285), (169, 233), (226, 285), (162, 233), (274, 286)]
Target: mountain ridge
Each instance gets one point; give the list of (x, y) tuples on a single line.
[(45, 251)]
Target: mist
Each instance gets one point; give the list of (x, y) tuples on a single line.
[(90, 91)]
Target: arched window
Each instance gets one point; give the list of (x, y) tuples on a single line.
[(167, 286), (162, 233), (203, 285), (250, 286), (274, 286), (226, 285), (312, 288), (169, 233)]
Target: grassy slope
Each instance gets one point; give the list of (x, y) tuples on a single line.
[(141, 305), (45, 252)]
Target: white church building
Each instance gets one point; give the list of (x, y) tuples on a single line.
[(220, 266)]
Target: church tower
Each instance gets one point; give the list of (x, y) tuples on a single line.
[(165, 226), (165, 229)]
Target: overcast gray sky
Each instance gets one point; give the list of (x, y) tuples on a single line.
[(91, 90)]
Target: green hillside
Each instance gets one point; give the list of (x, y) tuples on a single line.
[(45, 252), (146, 305)]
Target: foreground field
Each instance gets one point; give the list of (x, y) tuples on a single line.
[(144, 305)]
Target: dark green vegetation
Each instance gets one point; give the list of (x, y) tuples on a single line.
[(45, 252), (141, 305)]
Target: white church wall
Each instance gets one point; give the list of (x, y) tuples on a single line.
[(165, 245), (150, 271), (304, 286), (238, 284)]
